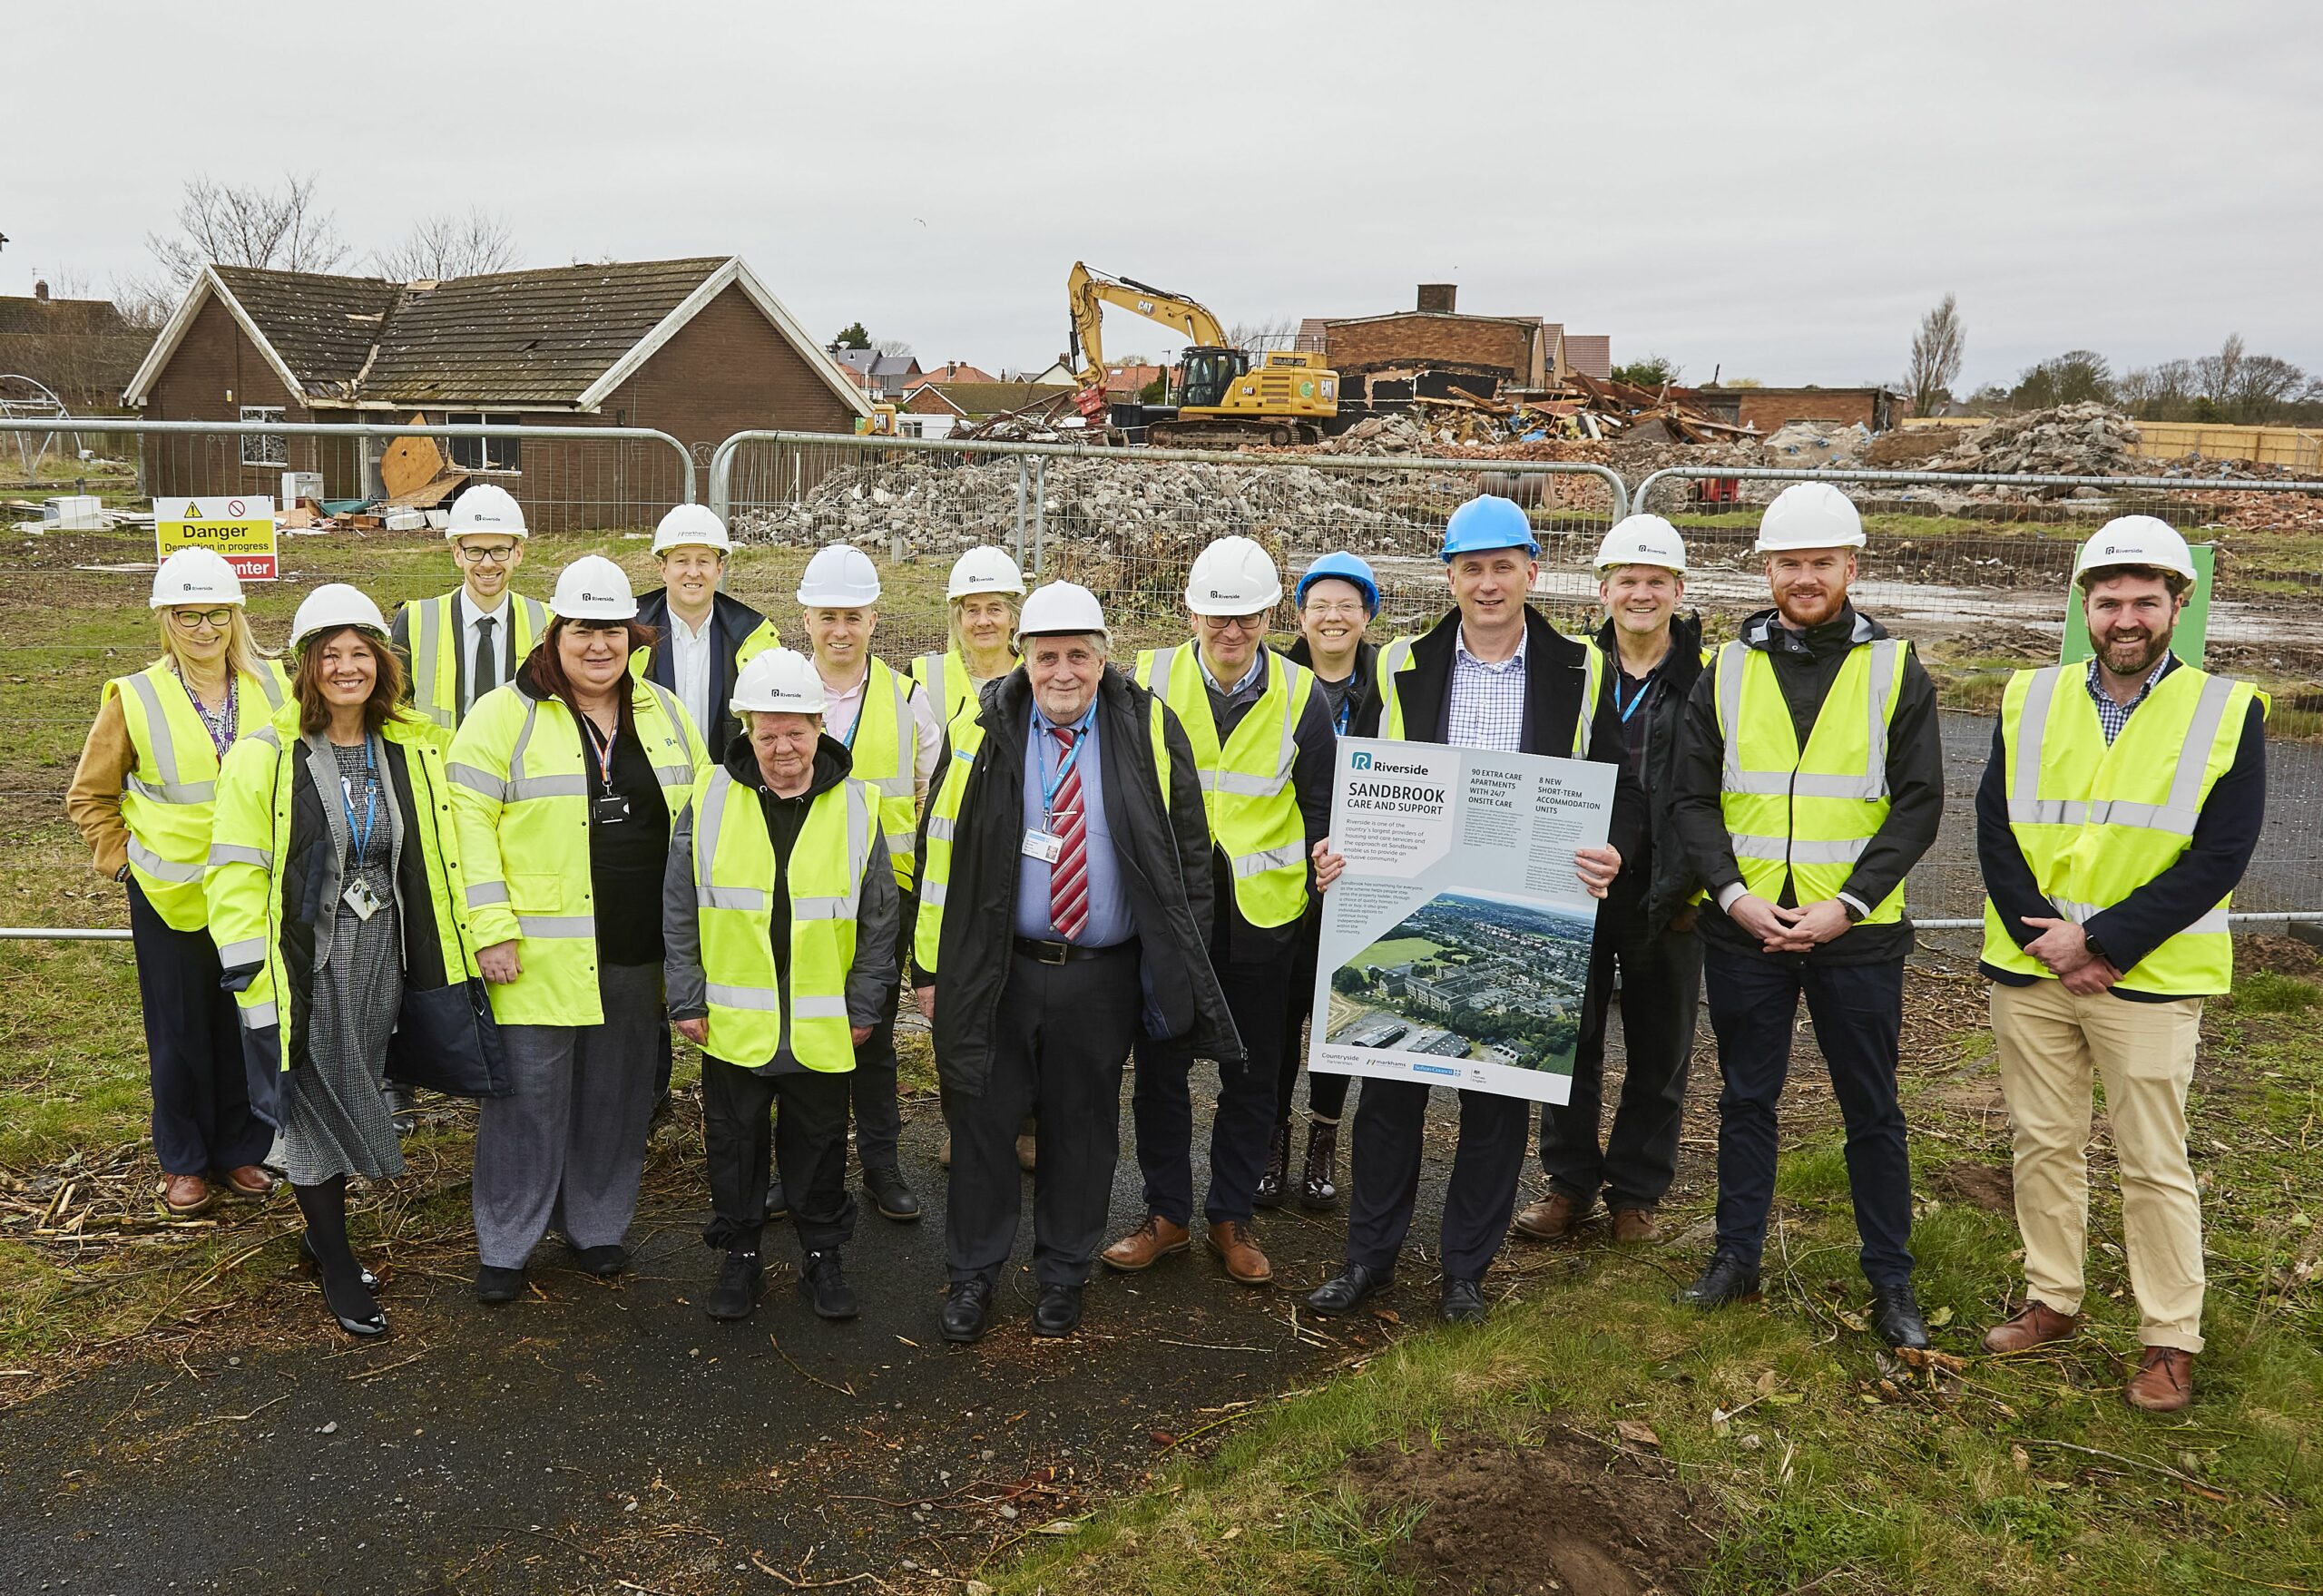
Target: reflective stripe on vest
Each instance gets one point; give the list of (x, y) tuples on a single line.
[(1397, 657), (2095, 823), (734, 873), (1806, 815), (1246, 784), (435, 637), (167, 798), (886, 746)]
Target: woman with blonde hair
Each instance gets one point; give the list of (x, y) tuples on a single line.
[(984, 593), (141, 800)]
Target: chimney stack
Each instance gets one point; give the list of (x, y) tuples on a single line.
[(1438, 297), (40, 289)]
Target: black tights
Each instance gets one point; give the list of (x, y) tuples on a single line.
[(323, 1208)]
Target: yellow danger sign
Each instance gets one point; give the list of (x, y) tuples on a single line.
[(240, 527)]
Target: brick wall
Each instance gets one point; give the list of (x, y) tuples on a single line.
[(1770, 409), (1420, 340), (216, 370)]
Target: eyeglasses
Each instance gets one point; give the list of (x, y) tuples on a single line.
[(1235, 622), (1329, 609), (189, 619), (489, 554)]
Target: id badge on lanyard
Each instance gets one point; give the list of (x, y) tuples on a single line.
[(358, 898), (606, 806)]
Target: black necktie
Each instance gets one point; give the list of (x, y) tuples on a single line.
[(483, 675)]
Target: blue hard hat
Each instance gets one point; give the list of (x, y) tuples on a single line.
[(1488, 522), (1346, 567)]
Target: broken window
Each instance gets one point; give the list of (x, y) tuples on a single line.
[(482, 453), (264, 448)]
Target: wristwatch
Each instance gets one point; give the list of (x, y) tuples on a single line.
[(2096, 948)]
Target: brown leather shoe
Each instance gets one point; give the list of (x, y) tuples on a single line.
[(183, 1196), (1027, 1152), (1237, 1245), (250, 1182), (1155, 1238), (1633, 1226), (2036, 1324), (2164, 1382), (1553, 1218)]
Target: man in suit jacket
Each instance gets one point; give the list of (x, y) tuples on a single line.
[(703, 636)]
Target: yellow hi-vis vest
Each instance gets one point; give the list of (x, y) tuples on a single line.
[(944, 802), (520, 792), (2097, 823), (1807, 814), (884, 741), (168, 799), (1396, 658), (1246, 785), (249, 852), (733, 873), (435, 637)]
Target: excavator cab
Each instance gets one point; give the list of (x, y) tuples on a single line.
[(1209, 374)]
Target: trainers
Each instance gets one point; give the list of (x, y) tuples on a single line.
[(823, 1283), (734, 1294)]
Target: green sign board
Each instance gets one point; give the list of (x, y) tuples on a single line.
[(2193, 624)]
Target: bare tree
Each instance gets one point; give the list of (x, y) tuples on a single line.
[(222, 224), (895, 347), (2217, 377), (1272, 332), (444, 246), (1936, 355)]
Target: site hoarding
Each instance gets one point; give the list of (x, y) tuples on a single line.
[(238, 527), (1455, 946)]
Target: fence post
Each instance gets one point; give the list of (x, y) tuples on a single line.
[(1040, 511), (1020, 510)]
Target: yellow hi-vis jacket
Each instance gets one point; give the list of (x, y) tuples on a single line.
[(168, 802), (948, 685), (1245, 783), (1808, 813), (1396, 658), (251, 855), (733, 873), (520, 792), (2097, 823), (944, 800), (885, 743), (437, 637)]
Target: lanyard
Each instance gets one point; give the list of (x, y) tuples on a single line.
[(1049, 787), (361, 840), (603, 750), (1644, 687), (1346, 713)]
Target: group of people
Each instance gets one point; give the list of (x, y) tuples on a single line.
[(614, 817)]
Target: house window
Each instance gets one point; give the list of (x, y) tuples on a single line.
[(911, 429), (482, 453), (264, 448)]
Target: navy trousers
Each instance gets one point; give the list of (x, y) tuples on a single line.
[(202, 1121), (1258, 994), (1383, 1175)]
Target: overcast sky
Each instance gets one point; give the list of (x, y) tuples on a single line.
[(1775, 191)]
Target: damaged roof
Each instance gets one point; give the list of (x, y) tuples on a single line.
[(323, 327)]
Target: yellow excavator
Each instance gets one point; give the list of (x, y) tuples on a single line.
[(1222, 400)]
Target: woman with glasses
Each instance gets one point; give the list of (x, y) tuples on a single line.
[(142, 799)]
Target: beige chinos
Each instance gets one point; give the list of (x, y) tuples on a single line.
[(2050, 1040)]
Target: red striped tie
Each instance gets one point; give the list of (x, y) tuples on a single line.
[(1069, 876)]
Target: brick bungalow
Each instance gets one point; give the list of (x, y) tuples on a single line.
[(1769, 409), (698, 348)]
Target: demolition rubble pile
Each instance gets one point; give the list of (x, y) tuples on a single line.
[(2070, 440)]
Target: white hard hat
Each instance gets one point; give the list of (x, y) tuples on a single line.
[(487, 507), (195, 576), (780, 680), (1643, 540), (2134, 539), (1810, 515), (593, 588), (1061, 609), (985, 570), (331, 606), (840, 576), (1234, 576), (692, 525)]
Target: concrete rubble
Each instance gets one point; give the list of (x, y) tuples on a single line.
[(2070, 440)]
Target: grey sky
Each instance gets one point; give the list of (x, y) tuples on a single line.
[(1778, 192)]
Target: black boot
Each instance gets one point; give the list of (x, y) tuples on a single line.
[(823, 1285), (890, 1195), (349, 1298), (1271, 1184), (777, 1206), (735, 1293), (1318, 1182)]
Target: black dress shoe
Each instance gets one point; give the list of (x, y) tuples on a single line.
[(403, 1110), (604, 1262), (967, 1306), (778, 1207), (1347, 1290), (735, 1293), (890, 1195), (312, 1265), (496, 1286), (1058, 1312), (1464, 1302), (1727, 1279), (1896, 1315), (823, 1283)]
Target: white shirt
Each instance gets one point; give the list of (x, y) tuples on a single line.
[(1487, 700), (841, 705), (690, 677), (501, 643)]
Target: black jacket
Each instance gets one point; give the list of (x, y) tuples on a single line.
[(1554, 668), (1164, 859), (731, 621), (1360, 687), (1673, 880), (1806, 664), (2224, 839)]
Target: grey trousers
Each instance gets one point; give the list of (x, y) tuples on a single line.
[(564, 1149)]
